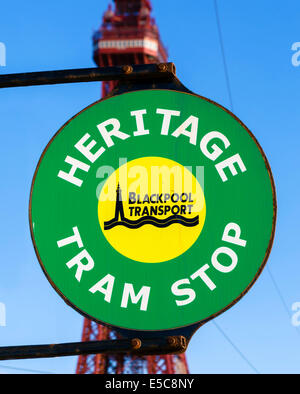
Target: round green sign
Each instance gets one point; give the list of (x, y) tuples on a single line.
[(152, 210)]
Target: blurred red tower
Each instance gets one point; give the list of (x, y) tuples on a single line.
[(128, 35)]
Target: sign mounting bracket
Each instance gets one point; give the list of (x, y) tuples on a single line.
[(144, 72), (135, 346)]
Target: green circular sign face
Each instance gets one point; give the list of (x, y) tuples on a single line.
[(152, 210)]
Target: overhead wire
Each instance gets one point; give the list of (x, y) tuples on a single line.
[(274, 282), (25, 369), (242, 355), (220, 35), (231, 105), (221, 41)]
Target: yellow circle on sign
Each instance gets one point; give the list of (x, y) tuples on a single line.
[(151, 209)]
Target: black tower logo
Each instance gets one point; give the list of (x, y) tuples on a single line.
[(120, 220)]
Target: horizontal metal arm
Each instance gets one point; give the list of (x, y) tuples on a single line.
[(136, 346), (134, 72)]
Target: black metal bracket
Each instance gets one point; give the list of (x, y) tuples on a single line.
[(154, 72), (129, 77), (135, 346)]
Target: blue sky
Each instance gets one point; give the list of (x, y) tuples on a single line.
[(265, 86)]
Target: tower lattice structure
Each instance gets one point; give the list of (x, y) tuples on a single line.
[(128, 35)]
